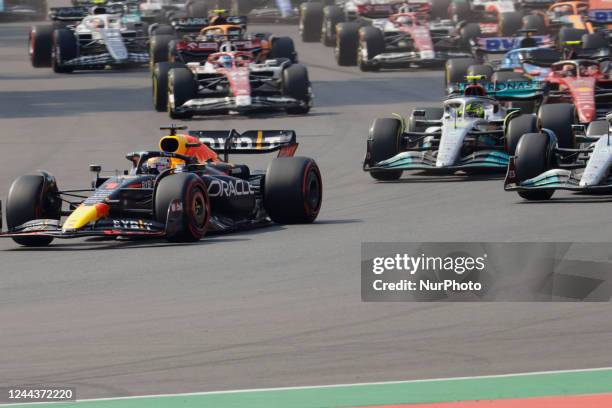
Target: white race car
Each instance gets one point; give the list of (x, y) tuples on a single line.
[(97, 41)]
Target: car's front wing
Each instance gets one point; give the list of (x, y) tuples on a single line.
[(403, 59), (555, 179), (106, 59), (426, 160), (218, 105)]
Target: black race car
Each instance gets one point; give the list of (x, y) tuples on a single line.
[(180, 192)]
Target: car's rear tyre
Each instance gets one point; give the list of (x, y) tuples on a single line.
[(481, 69), (384, 143), (439, 8), (181, 88), (163, 29), (569, 34), (594, 41), (516, 128), (332, 16), (532, 159), (598, 128), (311, 21), (197, 9), (371, 44), (296, 84), (430, 114), (193, 195), (510, 23), (460, 10), (40, 45), (347, 43), (32, 197), (534, 22), (456, 70), (159, 48), (559, 117), (160, 84), (64, 49), (293, 190), (283, 47), (467, 34)]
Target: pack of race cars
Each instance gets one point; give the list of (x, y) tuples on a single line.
[(528, 90)]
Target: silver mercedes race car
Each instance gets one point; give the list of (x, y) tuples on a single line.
[(98, 40), (540, 165), (475, 129)]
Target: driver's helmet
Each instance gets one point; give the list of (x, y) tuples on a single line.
[(406, 20), (569, 70), (156, 165), (564, 10), (474, 110), (225, 61)]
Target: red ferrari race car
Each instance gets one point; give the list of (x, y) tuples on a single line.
[(230, 36), (582, 84), (180, 192), (231, 82), (407, 38)]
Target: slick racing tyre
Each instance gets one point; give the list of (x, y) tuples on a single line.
[(559, 117), (64, 49), (484, 70), (516, 128), (347, 42), (456, 70), (371, 44), (163, 29), (510, 23), (460, 10), (439, 8), (293, 190), (532, 158), (160, 84), (197, 9), (297, 85), (32, 197), (159, 48), (283, 48), (40, 45), (569, 34), (430, 114), (181, 88), (594, 41), (311, 21), (467, 34), (332, 16), (534, 22), (384, 143), (192, 194)]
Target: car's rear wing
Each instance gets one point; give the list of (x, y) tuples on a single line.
[(501, 45), (249, 142), (194, 24), (508, 90), (68, 14)]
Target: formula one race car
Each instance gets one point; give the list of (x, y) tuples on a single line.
[(404, 39), (23, 9), (179, 193), (540, 165), (97, 41), (583, 85), (473, 130), (164, 11), (230, 36), (231, 82), (491, 16)]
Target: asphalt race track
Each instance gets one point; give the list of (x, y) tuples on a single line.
[(278, 306)]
